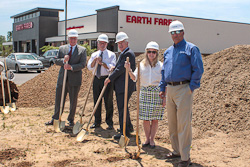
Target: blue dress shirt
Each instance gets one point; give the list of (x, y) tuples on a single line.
[(182, 62)]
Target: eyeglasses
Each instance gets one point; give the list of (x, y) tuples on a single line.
[(176, 32), (154, 52)]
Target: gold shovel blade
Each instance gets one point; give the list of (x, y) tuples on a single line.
[(5, 109), (58, 125), (82, 135), (77, 127), (12, 106), (123, 142)]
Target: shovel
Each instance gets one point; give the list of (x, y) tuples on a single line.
[(58, 124), (78, 126), (124, 140), (11, 105), (138, 107), (82, 135), (4, 109)]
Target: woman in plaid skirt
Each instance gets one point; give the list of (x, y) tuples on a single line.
[(151, 105)]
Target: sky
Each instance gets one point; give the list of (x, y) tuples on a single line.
[(226, 10)]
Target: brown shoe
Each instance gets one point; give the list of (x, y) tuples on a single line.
[(172, 155), (184, 163)]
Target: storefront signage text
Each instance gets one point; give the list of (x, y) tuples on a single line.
[(75, 27), (148, 20), (28, 25)]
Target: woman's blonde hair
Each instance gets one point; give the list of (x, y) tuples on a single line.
[(146, 61)]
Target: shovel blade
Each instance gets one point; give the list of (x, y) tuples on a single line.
[(77, 128), (62, 125), (123, 142), (82, 135), (5, 109), (12, 106)]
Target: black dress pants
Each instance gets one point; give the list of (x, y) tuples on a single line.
[(120, 105), (108, 100)]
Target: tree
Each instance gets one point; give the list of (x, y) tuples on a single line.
[(2, 39), (9, 36)]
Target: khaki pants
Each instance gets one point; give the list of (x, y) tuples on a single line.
[(179, 109)]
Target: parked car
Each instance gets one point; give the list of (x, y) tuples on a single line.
[(23, 62), (48, 57)]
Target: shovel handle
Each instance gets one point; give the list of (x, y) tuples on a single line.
[(63, 92), (3, 93), (92, 79), (97, 104), (8, 84), (125, 101), (138, 108)]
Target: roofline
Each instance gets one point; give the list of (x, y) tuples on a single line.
[(36, 9), (186, 17), (77, 17), (107, 8)]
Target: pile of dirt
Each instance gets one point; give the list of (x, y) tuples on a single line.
[(11, 153), (222, 102), (13, 91)]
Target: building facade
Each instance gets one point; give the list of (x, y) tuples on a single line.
[(209, 35)]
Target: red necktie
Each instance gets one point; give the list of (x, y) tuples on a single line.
[(70, 52)]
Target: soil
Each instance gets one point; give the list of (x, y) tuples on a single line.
[(221, 123)]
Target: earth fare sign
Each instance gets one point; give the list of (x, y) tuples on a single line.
[(148, 20)]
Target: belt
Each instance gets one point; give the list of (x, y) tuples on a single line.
[(102, 77), (177, 83)]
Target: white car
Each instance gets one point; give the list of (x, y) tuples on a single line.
[(23, 62)]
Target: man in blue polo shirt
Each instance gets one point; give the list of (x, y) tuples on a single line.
[(181, 74)]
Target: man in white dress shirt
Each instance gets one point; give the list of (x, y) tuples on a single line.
[(106, 60)]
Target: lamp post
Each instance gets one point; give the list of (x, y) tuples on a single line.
[(65, 21)]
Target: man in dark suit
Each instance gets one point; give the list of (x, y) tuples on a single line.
[(76, 57), (118, 78)]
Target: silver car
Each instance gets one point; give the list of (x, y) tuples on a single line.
[(23, 62)]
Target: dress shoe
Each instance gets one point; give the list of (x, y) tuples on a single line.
[(49, 122), (95, 126), (145, 144), (71, 123), (110, 127), (172, 155), (131, 130), (118, 136), (184, 163)]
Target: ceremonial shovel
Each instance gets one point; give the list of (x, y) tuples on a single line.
[(138, 107), (4, 109), (82, 135), (58, 124), (78, 126), (124, 140), (11, 105)]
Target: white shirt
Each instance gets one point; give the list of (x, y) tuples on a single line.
[(149, 75), (108, 58)]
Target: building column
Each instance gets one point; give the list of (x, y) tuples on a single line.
[(33, 46), (15, 46), (19, 46)]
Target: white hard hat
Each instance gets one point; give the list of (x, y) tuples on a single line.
[(152, 45), (103, 37), (121, 36), (72, 33), (176, 25)]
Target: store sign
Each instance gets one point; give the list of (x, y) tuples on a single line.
[(148, 20), (75, 27), (28, 25)]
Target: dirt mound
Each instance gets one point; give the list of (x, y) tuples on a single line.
[(222, 102)]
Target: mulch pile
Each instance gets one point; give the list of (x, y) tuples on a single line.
[(222, 102)]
